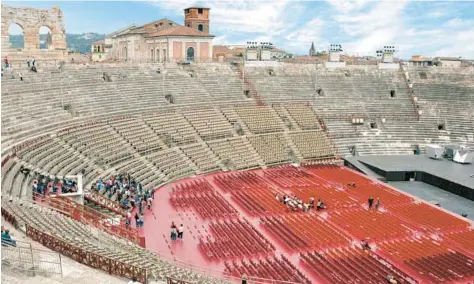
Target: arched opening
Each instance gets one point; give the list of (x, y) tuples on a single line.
[(16, 37), (392, 93), (200, 27), (152, 53), (125, 54), (190, 54), (45, 39), (158, 55)]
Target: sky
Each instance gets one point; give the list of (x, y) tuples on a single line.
[(430, 28)]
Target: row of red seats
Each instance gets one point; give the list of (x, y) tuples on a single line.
[(191, 187), (464, 238), (289, 177), (234, 239), (305, 231), (352, 265), (370, 224), (259, 201), (428, 217), (430, 259), (269, 268), (364, 188), (209, 205), (240, 181), (449, 266)]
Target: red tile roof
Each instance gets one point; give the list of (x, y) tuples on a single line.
[(179, 31), (99, 42)]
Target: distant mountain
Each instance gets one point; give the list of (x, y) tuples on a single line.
[(77, 42)]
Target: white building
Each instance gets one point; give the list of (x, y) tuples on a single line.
[(164, 40)]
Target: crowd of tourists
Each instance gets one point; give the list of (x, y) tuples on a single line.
[(48, 185), (129, 193), (296, 204)]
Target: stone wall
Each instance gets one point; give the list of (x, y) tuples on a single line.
[(31, 20)]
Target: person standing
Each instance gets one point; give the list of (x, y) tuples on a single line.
[(371, 202), (21, 76), (149, 202), (180, 232), (34, 61), (377, 204), (244, 279), (173, 233), (28, 62)]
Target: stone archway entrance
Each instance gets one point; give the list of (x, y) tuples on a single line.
[(31, 20), (190, 54)]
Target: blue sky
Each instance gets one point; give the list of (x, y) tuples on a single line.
[(431, 28)]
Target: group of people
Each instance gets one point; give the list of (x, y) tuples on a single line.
[(177, 233), (370, 202), (129, 194), (41, 183), (7, 239), (296, 204)]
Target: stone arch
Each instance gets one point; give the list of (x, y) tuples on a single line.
[(15, 45), (31, 20), (47, 41), (190, 54)]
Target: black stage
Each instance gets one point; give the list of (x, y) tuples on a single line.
[(445, 174)]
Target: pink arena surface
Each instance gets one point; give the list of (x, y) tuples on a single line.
[(234, 225)]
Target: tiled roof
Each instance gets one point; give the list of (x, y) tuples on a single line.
[(179, 31), (99, 42)]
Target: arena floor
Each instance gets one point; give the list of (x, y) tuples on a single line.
[(420, 243)]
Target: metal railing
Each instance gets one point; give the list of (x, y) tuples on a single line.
[(31, 261)]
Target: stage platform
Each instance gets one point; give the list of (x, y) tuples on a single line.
[(445, 174), (234, 225)]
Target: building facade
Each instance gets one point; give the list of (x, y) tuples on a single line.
[(164, 40)]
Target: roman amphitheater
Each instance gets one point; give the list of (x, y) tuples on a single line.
[(216, 142)]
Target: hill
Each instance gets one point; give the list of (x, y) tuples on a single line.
[(77, 42)]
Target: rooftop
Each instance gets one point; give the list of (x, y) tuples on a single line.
[(179, 31)]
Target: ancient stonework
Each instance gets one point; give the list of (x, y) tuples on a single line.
[(31, 20)]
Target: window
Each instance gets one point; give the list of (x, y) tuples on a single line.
[(392, 93), (200, 27), (199, 10), (441, 126), (373, 125), (170, 24), (186, 11)]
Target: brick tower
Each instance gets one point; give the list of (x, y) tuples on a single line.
[(197, 18)]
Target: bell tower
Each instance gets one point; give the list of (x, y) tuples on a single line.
[(197, 18)]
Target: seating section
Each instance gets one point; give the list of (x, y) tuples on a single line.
[(261, 119), (279, 269), (273, 148), (252, 193), (434, 220), (99, 142), (79, 235), (143, 139), (173, 163), (313, 145), (209, 123), (202, 156), (234, 239), (200, 196), (318, 234), (235, 153), (304, 116), (434, 260), (353, 265), (172, 128)]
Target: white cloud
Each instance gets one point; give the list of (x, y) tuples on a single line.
[(373, 27), (436, 14)]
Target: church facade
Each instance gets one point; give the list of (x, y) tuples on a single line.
[(164, 40)]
